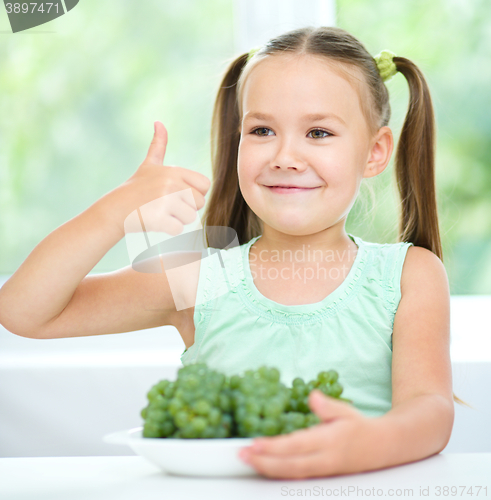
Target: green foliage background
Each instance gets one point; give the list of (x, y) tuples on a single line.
[(78, 98)]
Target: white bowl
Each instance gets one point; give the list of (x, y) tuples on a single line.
[(188, 457)]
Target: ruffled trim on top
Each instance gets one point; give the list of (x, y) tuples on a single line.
[(243, 283)]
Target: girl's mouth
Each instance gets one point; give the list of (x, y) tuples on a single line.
[(288, 190)]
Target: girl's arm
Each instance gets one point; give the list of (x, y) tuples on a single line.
[(51, 296), (421, 419)]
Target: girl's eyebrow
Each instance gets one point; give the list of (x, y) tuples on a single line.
[(314, 117)]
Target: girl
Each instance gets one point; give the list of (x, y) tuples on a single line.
[(296, 127)]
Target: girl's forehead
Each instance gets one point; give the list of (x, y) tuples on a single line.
[(302, 80)]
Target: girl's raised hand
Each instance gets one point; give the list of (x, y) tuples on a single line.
[(165, 198)]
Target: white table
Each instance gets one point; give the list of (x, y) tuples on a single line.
[(132, 477)]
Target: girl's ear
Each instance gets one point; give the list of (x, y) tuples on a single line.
[(380, 152)]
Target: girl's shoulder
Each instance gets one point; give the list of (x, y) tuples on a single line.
[(422, 268)]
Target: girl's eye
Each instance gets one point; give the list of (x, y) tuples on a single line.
[(262, 129), (319, 136)]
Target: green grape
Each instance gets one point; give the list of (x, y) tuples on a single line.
[(221, 433), (234, 382), (298, 382), (273, 375), (311, 419), (153, 393), (334, 376), (160, 402), (240, 414), (293, 405), (192, 381), (143, 413), (270, 427), (336, 390), (323, 378), (224, 401), (252, 406), (263, 391), (167, 428), (156, 414), (201, 407), (238, 399), (189, 432), (273, 408), (247, 388), (181, 418), (151, 430), (169, 391), (199, 424), (208, 433), (297, 391), (303, 405), (297, 420), (175, 405), (161, 386), (215, 416), (251, 424)]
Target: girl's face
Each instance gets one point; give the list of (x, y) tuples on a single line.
[(303, 126)]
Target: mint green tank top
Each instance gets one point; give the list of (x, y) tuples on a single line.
[(350, 331)]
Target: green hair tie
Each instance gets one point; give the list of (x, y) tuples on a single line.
[(385, 64), (251, 53)]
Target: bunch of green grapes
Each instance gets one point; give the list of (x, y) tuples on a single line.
[(327, 382), (203, 403), (263, 405), (196, 405)]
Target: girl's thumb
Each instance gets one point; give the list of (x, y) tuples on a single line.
[(156, 152), (327, 408)]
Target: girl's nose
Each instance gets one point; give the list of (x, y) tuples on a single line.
[(287, 157)]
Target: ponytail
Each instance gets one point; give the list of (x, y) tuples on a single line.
[(415, 165), (226, 205)]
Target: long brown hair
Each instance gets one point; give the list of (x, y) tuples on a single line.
[(415, 154)]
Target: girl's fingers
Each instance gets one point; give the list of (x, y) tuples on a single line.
[(297, 443), (318, 464), (168, 213)]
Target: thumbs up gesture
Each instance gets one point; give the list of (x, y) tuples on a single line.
[(165, 197)]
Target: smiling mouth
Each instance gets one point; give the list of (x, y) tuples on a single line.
[(290, 189)]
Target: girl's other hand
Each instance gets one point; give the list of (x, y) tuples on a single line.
[(165, 197), (338, 445)]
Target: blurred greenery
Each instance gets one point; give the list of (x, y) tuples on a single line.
[(78, 98)]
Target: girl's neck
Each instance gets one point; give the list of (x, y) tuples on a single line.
[(322, 247)]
